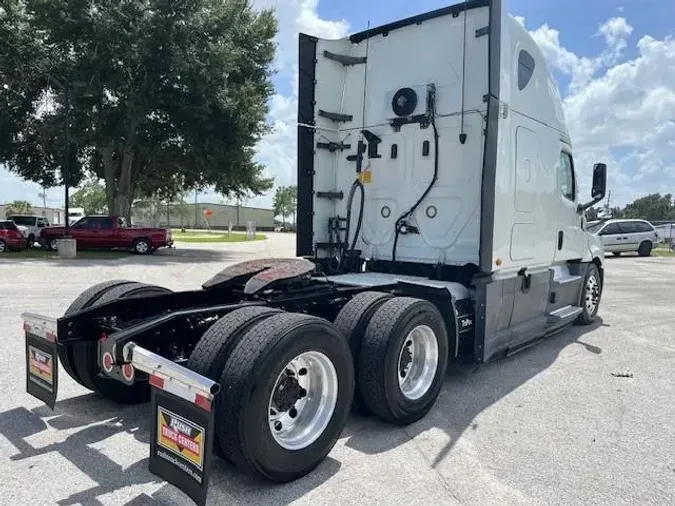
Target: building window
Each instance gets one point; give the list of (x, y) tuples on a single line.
[(525, 68)]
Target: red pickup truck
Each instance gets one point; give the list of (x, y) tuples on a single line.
[(108, 232)]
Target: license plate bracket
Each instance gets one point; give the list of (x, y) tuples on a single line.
[(42, 369)]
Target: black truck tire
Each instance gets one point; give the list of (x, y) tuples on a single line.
[(263, 386), (590, 296), (352, 321), (86, 299), (214, 347), (413, 324), (85, 354)]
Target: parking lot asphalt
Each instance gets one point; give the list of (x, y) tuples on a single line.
[(585, 417)]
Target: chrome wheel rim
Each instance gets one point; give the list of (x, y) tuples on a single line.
[(141, 246), (54, 244), (2, 247), (303, 400), (417, 362), (592, 294)]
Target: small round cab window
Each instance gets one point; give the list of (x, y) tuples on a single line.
[(525, 68)]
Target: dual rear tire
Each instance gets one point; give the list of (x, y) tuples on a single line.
[(289, 380), (288, 387), (400, 348), (80, 360)]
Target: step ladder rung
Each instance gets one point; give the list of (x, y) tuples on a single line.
[(564, 313)]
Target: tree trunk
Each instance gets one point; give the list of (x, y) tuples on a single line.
[(120, 175)]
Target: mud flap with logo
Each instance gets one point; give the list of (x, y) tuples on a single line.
[(182, 442), (42, 365)]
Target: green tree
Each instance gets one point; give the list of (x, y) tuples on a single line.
[(91, 196), (18, 207), (284, 202), (652, 207), (165, 95), (293, 204)]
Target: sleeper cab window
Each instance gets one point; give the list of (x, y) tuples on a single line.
[(525, 68), (566, 176)]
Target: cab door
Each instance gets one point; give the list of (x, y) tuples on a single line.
[(569, 239)]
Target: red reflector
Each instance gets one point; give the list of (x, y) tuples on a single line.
[(203, 402), (103, 337), (128, 372), (50, 337), (108, 362), (26, 326), (156, 381)]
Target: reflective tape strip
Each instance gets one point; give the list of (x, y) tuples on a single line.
[(181, 390), (173, 378), (40, 326)]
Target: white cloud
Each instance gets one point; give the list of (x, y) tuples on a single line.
[(627, 106), (278, 149), (615, 31), (580, 68)]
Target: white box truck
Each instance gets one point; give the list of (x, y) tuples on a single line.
[(438, 215)]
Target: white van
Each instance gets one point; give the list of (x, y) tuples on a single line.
[(624, 236), (30, 225), (75, 214)]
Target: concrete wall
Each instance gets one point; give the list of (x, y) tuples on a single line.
[(191, 216), (54, 215)]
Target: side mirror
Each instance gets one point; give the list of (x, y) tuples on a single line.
[(599, 186), (599, 181)]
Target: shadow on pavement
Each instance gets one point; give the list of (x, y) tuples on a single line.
[(97, 420), (469, 389)]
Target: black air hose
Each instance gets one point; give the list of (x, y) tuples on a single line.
[(400, 221), (350, 201)]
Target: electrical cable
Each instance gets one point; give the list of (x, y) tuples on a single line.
[(401, 219), (462, 134)]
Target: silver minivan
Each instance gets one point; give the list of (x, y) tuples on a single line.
[(619, 236)]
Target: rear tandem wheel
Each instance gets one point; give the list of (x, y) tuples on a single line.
[(289, 388), (83, 356), (86, 299)]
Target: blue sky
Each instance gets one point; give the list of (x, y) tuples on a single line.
[(613, 59)]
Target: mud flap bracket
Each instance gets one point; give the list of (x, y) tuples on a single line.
[(183, 419)]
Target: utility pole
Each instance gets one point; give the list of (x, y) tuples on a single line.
[(66, 163), (43, 196), (609, 198), (196, 193)]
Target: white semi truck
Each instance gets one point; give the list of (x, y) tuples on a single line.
[(438, 216)]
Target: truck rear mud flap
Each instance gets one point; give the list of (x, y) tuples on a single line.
[(182, 402)]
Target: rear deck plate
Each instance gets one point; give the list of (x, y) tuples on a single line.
[(42, 369)]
